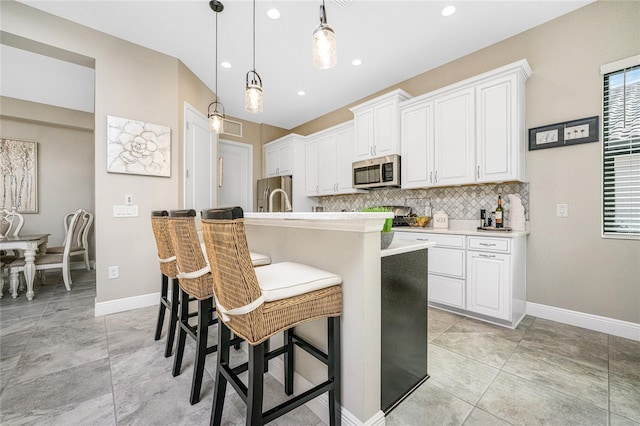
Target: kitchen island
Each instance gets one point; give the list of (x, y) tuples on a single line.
[(347, 244)]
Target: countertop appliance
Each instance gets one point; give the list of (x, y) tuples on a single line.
[(381, 172), (400, 213), (268, 185)]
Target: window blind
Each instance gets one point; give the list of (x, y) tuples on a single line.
[(621, 153)]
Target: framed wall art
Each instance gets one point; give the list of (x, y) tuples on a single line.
[(19, 175), (138, 148), (562, 134)]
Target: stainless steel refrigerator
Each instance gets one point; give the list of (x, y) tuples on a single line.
[(266, 186)]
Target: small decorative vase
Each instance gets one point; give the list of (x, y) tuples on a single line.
[(385, 239)]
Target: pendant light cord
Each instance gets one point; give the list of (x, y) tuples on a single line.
[(216, 64), (254, 35)]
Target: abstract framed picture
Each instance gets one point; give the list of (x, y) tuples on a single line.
[(138, 148), (19, 175)]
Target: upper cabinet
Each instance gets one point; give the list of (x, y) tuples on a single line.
[(328, 163), (377, 126), (278, 158), (469, 132)]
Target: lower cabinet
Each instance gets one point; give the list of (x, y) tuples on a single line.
[(478, 276)]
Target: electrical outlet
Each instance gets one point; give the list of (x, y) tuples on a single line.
[(113, 272), (562, 210)]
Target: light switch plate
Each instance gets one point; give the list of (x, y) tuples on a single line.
[(562, 210)]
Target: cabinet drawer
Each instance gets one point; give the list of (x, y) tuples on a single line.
[(448, 262), (500, 245), (447, 240), (448, 291)]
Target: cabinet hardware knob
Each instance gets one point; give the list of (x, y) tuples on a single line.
[(486, 255)]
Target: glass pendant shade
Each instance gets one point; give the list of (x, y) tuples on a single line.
[(216, 118), (253, 93), (325, 52)]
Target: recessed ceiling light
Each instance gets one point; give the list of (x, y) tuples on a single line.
[(301, 93), (225, 64), (448, 11), (273, 13), (356, 62)]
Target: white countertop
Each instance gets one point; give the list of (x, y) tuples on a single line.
[(399, 245), (319, 215), (462, 227)]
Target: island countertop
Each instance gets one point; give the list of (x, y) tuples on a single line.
[(338, 221)]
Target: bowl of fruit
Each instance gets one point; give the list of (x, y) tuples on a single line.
[(419, 221)]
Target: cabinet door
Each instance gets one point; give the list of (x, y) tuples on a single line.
[(385, 135), (327, 164), (489, 284), (285, 159), (497, 133), (454, 138), (363, 146), (417, 146), (445, 290), (271, 161), (344, 144), (311, 168)]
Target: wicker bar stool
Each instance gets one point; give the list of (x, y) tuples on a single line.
[(194, 279), (167, 259), (256, 304)]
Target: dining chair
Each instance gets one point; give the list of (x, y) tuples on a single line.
[(80, 244), (11, 223), (52, 260)]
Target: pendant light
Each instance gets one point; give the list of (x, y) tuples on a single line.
[(253, 88), (216, 118), (325, 53)]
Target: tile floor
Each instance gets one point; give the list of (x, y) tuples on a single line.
[(60, 365)]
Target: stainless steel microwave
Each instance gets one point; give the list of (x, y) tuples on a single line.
[(378, 172)]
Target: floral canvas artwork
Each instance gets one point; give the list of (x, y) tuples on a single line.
[(138, 148), (18, 175)]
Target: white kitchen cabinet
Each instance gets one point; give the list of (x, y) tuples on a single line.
[(416, 139), (454, 140), (377, 126), (469, 132), (489, 284), (476, 275), (288, 156), (328, 161), (311, 167), (278, 158), (500, 134)]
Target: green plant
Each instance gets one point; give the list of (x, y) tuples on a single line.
[(388, 222)]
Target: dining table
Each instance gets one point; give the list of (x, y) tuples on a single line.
[(29, 244)]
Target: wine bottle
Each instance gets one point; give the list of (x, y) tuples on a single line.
[(499, 213)]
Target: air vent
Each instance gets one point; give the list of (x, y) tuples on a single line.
[(233, 128), (343, 4)]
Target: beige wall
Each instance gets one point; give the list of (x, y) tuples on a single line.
[(568, 264), (61, 134)]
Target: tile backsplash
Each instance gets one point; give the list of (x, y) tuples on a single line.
[(459, 202)]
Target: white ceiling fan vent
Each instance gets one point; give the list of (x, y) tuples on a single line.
[(343, 3), (233, 128)]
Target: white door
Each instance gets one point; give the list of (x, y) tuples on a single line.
[(235, 175), (200, 162)]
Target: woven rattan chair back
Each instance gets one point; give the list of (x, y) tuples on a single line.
[(189, 256), (160, 226), (234, 277)]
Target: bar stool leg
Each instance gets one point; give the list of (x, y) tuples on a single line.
[(224, 338), (204, 315), (255, 386), (182, 333), (163, 300), (288, 362), (334, 370), (175, 300)]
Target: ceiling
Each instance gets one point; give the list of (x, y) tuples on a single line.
[(395, 40)]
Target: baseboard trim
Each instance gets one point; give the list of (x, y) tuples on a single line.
[(607, 325), (126, 304), (320, 405)]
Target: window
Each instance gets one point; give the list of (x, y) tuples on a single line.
[(621, 149)]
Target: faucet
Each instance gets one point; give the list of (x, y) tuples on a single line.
[(287, 206)]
